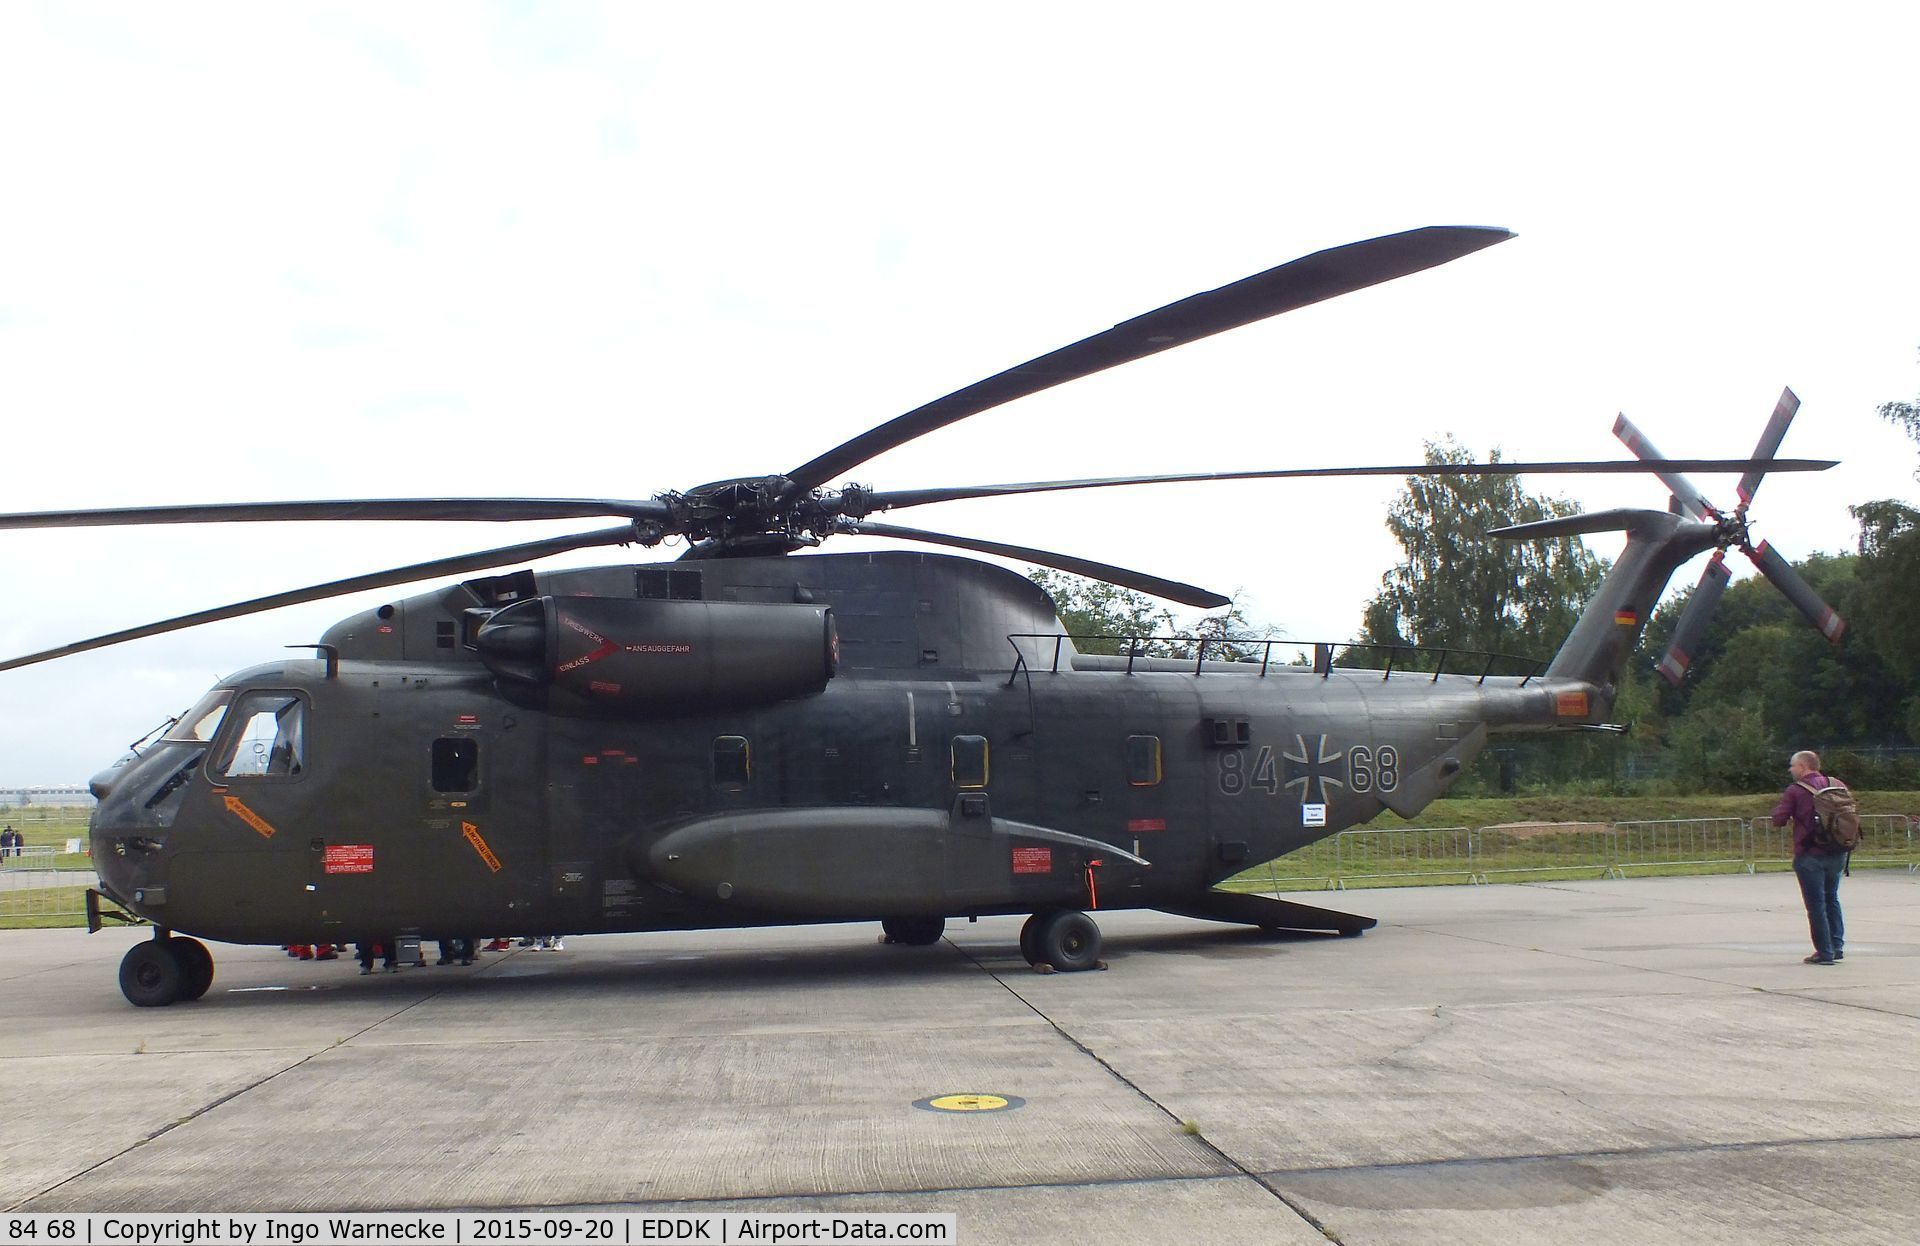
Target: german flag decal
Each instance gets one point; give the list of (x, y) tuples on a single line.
[(1626, 618)]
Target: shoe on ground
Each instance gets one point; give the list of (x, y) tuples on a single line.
[(467, 960), (444, 960), (560, 945), (365, 970), (1817, 959), (1839, 956), (326, 956)]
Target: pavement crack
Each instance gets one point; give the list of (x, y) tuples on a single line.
[(1230, 1161), (219, 1102)]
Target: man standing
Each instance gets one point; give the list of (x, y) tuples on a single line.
[(1818, 869)]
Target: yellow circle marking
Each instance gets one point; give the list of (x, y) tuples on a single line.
[(967, 1103)]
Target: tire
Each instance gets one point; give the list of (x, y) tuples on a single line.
[(150, 975), (914, 931), (196, 967), (1028, 947), (1068, 940)]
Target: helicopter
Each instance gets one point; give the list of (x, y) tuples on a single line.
[(754, 734)]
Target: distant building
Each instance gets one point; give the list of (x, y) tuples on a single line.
[(66, 797)]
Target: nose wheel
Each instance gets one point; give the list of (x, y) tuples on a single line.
[(165, 969), (1063, 940)]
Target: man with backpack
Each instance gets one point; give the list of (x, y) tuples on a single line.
[(1826, 827)]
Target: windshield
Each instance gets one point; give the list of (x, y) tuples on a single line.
[(198, 724)]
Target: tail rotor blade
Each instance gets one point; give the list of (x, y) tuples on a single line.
[(1799, 592), (1693, 620), (1770, 439), (1691, 500), (1139, 581)]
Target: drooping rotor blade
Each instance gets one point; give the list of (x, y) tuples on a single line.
[(1798, 591), (895, 499), (480, 561), (1693, 620), (1617, 520), (1770, 438), (1304, 281), (468, 510), (1692, 502), (1172, 590)]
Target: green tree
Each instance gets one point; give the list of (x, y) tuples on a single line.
[(1889, 572), (1105, 618), (1459, 589)]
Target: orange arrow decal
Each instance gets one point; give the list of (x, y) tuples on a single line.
[(472, 833), (239, 810)]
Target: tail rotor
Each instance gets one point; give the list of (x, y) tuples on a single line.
[(1733, 534)]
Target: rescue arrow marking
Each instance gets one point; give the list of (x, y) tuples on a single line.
[(238, 809), (472, 833)]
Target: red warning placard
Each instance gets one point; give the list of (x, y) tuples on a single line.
[(347, 859), (1033, 860)]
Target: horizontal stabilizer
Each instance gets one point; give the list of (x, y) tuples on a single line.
[(1268, 913)]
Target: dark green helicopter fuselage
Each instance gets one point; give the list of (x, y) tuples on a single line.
[(839, 737)]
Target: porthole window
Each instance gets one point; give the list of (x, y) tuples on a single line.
[(732, 763), (456, 764), (1143, 760), (969, 761)]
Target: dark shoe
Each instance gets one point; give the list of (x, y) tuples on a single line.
[(1817, 959), (1839, 956), (444, 960)]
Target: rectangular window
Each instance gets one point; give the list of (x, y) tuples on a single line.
[(456, 764), (732, 763), (969, 761), (268, 737), (1143, 760)]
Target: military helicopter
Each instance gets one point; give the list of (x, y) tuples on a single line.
[(744, 737)]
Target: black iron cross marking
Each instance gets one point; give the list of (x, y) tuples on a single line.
[(1313, 775)]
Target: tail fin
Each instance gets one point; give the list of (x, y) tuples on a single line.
[(1658, 543)]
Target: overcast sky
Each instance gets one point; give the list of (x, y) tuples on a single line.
[(277, 251)]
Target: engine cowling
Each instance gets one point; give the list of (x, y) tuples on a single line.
[(611, 655)]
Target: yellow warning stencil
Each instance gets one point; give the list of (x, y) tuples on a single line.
[(239, 810), (472, 833)]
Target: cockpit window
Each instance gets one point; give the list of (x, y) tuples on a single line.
[(268, 737), (199, 724)]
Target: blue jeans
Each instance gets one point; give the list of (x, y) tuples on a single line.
[(1819, 874)]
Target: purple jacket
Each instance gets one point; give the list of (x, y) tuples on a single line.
[(1796, 805)]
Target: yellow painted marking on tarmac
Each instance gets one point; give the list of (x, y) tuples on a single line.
[(967, 1103), (238, 809), (472, 833)]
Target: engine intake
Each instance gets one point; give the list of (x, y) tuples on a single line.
[(615, 656)]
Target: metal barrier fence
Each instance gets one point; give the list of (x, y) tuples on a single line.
[(28, 858), (1601, 850)]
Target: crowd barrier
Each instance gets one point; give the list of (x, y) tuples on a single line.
[(1567, 850)]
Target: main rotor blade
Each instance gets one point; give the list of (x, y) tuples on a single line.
[(1140, 581), (894, 499), (1310, 279), (1687, 633), (1691, 500), (479, 561), (1770, 438), (469, 510), (1798, 591)]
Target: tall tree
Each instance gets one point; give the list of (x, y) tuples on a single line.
[(1888, 573), (1459, 589)]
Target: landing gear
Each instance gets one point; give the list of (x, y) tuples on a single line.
[(1063, 939), (165, 970), (913, 931), (196, 967)]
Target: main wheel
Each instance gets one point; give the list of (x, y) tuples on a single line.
[(1029, 932), (914, 931), (151, 975), (196, 966), (1068, 940)]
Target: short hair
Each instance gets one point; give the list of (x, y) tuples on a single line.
[(1808, 758)]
